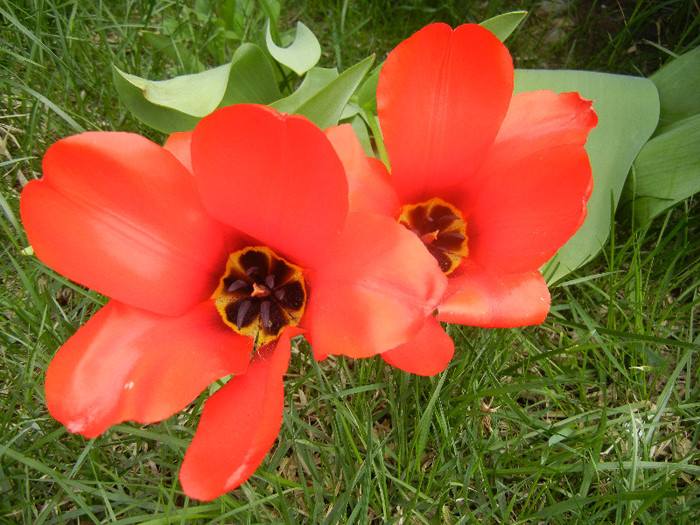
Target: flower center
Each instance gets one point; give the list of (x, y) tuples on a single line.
[(441, 228), (260, 294)]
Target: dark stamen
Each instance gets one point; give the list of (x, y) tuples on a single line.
[(237, 285), (242, 310), (441, 228), (260, 294), (265, 314)]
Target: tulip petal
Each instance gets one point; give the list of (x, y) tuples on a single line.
[(129, 364), (480, 298), (376, 291), (117, 213), (537, 120), (441, 98), (427, 354), (239, 424), (526, 207), (368, 179), (179, 144), (539, 157), (274, 177)]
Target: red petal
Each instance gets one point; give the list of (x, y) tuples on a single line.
[(526, 207), (119, 214), (376, 292), (538, 120), (441, 98), (129, 364), (239, 424), (479, 298), (427, 354), (275, 177), (368, 178), (179, 144)]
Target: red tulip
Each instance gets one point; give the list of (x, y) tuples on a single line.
[(213, 266), (492, 183)]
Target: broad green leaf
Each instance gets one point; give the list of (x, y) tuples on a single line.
[(503, 25), (197, 94), (628, 111), (163, 119), (325, 106), (301, 55), (367, 94), (251, 79), (665, 172), (667, 169), (678, 83), (350, 111), (177, 104), (314, 81), (358, 124)]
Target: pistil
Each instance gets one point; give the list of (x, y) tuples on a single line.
[(259, 291)]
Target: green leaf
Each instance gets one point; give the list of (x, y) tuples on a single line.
[(665, 172), (326, 105), (314, 81), (678, 83), (628, 111), (251, 79), (197, 94), (163, 119), (503, 25), (324, 108), (667, 169), (360, 128), (367, 94), (303, 53), (177, 104)]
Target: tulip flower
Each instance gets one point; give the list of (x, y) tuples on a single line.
[(492, 183), (212, 266)]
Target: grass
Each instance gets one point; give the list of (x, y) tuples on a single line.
[(591, 417)]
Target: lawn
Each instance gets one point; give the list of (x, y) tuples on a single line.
[(591, 417)]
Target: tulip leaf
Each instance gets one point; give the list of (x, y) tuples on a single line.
[(665, 172), (350, 111), (161, 118), (176, 93), (667, 169), (503, 25), (325, 106), (315, 80), (251, 78), (360, 127), (628, 111), (178, 103), (367, 94), (678, 83), (301, 55)]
